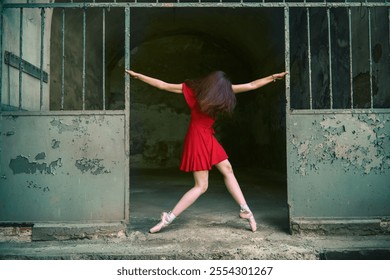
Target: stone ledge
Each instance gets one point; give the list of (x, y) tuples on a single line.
[(65, 231), (340, 226), (15, 233)]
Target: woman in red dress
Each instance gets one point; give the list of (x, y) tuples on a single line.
[(206, 98)]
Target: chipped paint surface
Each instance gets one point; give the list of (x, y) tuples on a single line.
[(338, 165), (94, 166), (21, 164), (34, 186), (55, 144), (74, 126), (63, 168), (359, 142)]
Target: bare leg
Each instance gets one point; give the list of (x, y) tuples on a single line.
[(201, 184), (234, 188), (231, 182)]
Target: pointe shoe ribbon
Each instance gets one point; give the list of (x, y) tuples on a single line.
[(249, 216)]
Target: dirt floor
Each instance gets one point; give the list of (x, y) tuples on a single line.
[(209, 229)]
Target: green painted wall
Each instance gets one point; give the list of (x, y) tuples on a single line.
[(339, 166)]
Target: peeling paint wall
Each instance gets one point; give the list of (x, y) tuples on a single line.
[(360, 142), (339, 165), (63, 168)]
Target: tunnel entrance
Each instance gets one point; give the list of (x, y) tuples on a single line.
[(181, 43)]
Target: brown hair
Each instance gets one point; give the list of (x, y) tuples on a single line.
[(214, 93)]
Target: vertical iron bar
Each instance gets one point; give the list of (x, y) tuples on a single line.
[(330, 59), (84, 52), (127, 112), (350, 56), (370, 56), (309, 56), (287, 55), (20, 57), (288, 109), (1, 56), (42, 53), (63, 61), (104, 58)]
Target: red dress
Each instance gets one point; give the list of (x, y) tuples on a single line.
[(201, 149)]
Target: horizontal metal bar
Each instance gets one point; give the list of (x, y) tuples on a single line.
[(14, 61), (9, 108), (64, 113), (338, 111), (198, 5)]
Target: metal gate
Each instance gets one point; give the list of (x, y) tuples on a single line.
[(72, 165), (338, 129), (62, 160)]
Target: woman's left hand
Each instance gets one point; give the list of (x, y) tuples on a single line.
[(131, 73)]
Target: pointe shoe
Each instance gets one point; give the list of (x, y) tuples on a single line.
[(162, 224), (249, 216)]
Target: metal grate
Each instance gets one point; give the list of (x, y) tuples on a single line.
[(346, 36), (301, 44)]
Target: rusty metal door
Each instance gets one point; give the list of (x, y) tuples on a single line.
[(58, 165), (338, 117)]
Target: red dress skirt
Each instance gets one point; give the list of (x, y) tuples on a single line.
[(201, 149)]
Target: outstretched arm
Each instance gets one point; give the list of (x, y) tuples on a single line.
[(176, 88), (258, 83)]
